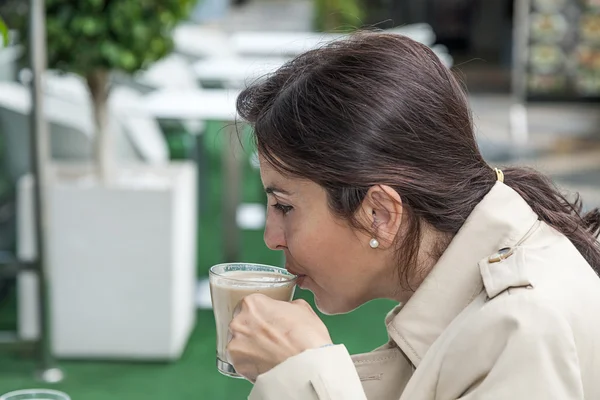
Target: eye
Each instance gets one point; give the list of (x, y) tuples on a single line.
[(282, 208)]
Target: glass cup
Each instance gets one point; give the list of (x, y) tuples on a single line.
[(230, 283), (35, 394)]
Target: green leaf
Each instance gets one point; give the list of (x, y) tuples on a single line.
[(3, 33), (336, 15), (96, 4), (127, 61), (91, 26), (126, 35)]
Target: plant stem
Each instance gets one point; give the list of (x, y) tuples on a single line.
[(97, 82)]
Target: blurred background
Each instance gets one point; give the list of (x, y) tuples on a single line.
[(147, 186)]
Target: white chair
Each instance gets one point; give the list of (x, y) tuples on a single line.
[(71, 128), (66, 86), (139, 137), (141, 128), (174, 71), (8, 62)]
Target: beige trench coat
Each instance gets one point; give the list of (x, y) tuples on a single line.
[(526, 327)]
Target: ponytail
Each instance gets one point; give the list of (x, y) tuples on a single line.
[(557, 211)]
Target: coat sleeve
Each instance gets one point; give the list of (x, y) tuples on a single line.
[(327, 373), (516, 348)]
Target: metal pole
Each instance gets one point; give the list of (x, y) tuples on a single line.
[(39, 152), (519, 50), (519, 124), (232, 176)]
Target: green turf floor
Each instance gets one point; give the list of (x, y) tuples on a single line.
[(195, 375), (192, 377)]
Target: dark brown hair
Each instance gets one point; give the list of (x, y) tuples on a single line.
[(382, 109)]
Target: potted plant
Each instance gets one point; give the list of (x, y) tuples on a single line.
[(338, 15), (121, 238), (3, 33)]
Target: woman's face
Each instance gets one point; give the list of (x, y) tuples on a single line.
[(332, 259)]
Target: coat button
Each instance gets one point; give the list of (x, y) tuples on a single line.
[(500, 255)]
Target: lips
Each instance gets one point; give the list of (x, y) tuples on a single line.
[(300, 281), (293, 272), (299, 277)]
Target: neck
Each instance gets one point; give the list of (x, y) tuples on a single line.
[(432, 245)]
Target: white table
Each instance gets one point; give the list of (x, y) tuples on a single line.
[(442, 52), (193, 104), (279, 44), (198, 42), (422, 33), (294, 43), (173, 71), (236, 71), (210, 105)]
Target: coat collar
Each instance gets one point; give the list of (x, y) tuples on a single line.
[(498, 221)]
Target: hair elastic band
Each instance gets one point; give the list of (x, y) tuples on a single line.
[(499, 175)]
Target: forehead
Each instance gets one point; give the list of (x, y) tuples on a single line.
[(270, 173), (271, 177)]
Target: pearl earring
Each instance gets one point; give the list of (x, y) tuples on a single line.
[(374, 243)]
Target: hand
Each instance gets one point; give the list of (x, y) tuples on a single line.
[(266, 332)]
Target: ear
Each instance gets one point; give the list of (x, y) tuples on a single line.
[(382, 213)]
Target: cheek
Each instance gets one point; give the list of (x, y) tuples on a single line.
[(325, 249), (335, 259), (307, 248)]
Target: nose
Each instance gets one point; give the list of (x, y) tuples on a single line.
[(274, 233)]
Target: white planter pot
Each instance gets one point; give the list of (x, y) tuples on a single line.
[(121, 262)]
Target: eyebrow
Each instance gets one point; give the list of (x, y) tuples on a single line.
[(275, 190)]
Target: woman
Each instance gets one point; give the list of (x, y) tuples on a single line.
[(377, 189)]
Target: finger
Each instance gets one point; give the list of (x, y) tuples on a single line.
[(241, 360), (236, 347), (248, 303), (256, 299), (230, 337), (239, 325), (232, 329), (231, 351), (304, 303), (301, 301), (237, 310)]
